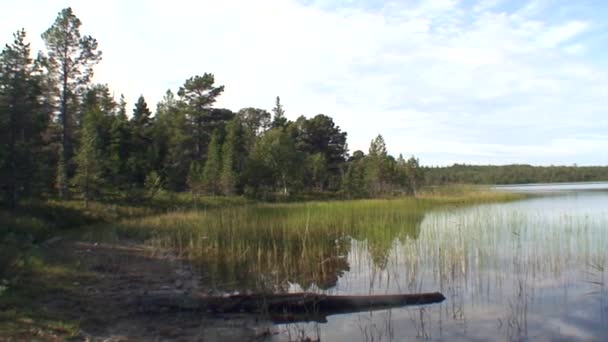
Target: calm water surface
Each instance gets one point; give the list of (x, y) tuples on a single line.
[(527, 270)]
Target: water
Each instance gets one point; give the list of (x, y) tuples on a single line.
[(527, 270)]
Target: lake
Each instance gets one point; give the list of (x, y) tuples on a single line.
[(532, 269), (529, 269)]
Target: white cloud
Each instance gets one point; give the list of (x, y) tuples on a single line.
[(563, 33), (439, 80)]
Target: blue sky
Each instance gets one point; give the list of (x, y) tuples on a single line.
[(467, 81)]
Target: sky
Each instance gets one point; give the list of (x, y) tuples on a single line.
[(449, 81)]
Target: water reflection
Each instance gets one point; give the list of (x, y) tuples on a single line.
[(284, 260), (527, 270)]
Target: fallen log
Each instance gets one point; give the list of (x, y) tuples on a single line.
[(288, 307)]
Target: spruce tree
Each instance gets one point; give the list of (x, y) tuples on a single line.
[(279, 119), (141, 114), (139, 154)]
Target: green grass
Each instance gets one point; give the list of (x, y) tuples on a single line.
[(265, 245)]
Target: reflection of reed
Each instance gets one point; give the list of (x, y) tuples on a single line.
[(422, 322), (301, 332), (595, 276), (376, 327), (518, 307), (269, 248)]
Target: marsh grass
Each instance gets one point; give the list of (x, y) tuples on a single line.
[(271, 246)]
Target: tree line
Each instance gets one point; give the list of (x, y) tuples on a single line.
[(63, 136), (513, 174)]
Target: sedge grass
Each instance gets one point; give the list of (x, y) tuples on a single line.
[(271, 245)]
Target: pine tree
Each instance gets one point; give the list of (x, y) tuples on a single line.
[(70, 62), (198, 94)]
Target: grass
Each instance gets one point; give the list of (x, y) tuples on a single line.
[(267, 246)]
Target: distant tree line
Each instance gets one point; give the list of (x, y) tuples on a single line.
[(63, 136), (513, 174)]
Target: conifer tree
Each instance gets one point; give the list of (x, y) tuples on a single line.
[(139, 154), (22, 119), (279, 119), (70, 60), (198, 95)]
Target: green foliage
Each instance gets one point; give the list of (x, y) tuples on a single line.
[(139, 153), (279, 120), (320, 135), (154, 184), (171, 143), (255, 122), (120, 136), (232, 157), (317, 170), (198, 95), (377, 166), (22, 121), (275, 162), (69, 62), (353, 183), (89, 176), (513, 174), (211, 171), (141, 114)]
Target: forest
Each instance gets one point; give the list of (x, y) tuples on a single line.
[(63, 136), (513, 174)]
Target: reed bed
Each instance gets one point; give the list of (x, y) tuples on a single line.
[(270, 246)]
